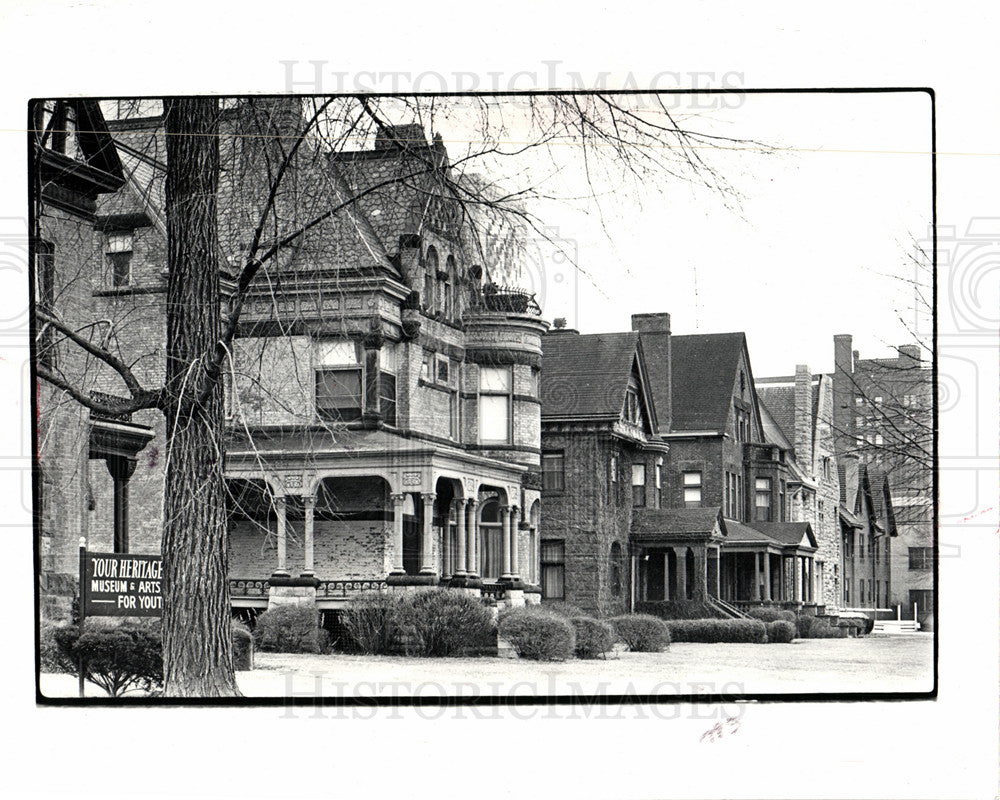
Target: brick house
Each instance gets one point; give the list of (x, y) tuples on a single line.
[(867, 528), (713, 523), (382, 400), (883, 416)]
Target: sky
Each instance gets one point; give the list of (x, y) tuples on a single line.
[(820, 242)]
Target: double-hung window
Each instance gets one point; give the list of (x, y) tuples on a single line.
[(692, 489), (553, 471), (494, 405), (338, 382)]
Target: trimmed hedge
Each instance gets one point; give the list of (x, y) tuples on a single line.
[(766, 614), (717, 630), (118, 656), (780, 631), (810, 627), (538, 634), (440, 622), (288, 628), (678, 609), (563, 609), (593, 637), (642, 633)]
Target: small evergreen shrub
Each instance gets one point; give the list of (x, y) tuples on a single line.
[(242, 646), (288, 628), (118, 656), (766, 614), (446, 623), (593, 637), (780, 631), (717, 630), (371, 622), (642, 633), (538, 634)]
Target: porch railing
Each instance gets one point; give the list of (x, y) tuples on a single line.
[(248, 587), (327, 589), (259, 587)]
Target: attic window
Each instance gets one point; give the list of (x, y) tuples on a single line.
[(118, 254), (632, 413)]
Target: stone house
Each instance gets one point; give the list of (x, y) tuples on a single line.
[(383, 392), (797, 413)]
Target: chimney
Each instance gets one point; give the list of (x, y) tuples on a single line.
[(909, 356), (803, 417), (849, 490), (654, 334), (843, 392)]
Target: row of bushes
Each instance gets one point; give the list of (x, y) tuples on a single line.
[(558, 632)]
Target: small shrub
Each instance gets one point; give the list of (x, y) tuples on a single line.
[(288, 628), (538, 634), (372, 621), (593, 637), (766, 614), (52, 658), (446, 623), (242, 646), (717, 630), (642, 633), (117, 656), (780, 631)]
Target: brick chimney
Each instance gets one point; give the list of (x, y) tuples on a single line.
[(803, 417), (654, 335), (843, 392)]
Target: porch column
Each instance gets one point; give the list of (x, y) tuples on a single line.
[(680, 565), (782, 588), (798, 579), (505, 540), (666, 574), (121, 469), (446, 546), (472, 519), (282, 569), (397, 533), (310, 505), (460, 556), (515, 525), (755, 588), (427, 546), (718, 572), (767, 576)]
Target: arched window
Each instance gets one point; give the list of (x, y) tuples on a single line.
[(490, 534), (448, 294), (616, 569), (430, 278)]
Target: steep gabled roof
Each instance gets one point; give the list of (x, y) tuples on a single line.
[(703, 373), (585, 376), (780, 403)]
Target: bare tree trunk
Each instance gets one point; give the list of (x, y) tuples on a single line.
[(197, 637)]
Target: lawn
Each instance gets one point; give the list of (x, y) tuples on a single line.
[(877, 663), (869, 664)]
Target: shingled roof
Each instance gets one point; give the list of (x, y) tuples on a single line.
[(703, 370), (585, 377), (653, 524)]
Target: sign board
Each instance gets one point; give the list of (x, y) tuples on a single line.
[(121, 585)]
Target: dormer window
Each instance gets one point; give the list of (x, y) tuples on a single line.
[(118, 255), (632, 413)]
